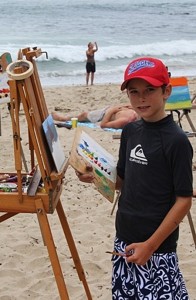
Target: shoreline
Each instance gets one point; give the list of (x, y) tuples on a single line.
[(45, 86)]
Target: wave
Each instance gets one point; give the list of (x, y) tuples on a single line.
[(66, 63), (76, 53)]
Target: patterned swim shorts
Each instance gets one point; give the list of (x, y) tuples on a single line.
[(160, 278)]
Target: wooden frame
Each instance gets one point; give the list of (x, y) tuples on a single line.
[(26, 90)]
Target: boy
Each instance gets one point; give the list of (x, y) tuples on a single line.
[(155, 178)]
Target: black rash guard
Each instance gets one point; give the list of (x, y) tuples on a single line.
[(155, 162)]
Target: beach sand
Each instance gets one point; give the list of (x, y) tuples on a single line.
[(25, 268)]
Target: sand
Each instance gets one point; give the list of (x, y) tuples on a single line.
[(25, 269)]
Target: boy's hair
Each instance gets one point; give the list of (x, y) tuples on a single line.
[(163, 87), (148, 68)]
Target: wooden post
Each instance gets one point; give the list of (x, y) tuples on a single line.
[(73, 248), (49, 242)]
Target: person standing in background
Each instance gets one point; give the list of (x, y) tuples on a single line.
[(90, 63)]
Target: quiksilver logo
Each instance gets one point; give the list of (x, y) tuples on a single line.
[(137, 155)]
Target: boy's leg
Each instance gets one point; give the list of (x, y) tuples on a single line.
[(122, 277)]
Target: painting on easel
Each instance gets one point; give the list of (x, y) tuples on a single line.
[(180, 97), (54, 142), (4, 87), (5, 59)]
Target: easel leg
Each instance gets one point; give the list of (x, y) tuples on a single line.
[(48, 240), (190, 122), (72, 248), (192, 227)]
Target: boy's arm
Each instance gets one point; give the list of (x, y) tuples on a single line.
[(119, 182), (144, 250), (171, 221)]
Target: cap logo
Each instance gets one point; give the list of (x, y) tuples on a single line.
[(138, 65)]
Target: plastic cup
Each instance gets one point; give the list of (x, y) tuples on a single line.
[(74, 122)]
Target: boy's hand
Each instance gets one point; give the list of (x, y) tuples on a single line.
[(141, 253), (87, 177)]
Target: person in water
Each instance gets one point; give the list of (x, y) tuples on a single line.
[(90, 62)]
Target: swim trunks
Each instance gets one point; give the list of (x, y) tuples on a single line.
[(96, 115), (90, 67), (159, 278)]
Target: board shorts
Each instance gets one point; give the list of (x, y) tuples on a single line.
[(159, 278), (95, 116), (90, 67)]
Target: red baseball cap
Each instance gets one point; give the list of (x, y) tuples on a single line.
[(150, 69)]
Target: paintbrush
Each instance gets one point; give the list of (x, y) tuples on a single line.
[(121, 253)]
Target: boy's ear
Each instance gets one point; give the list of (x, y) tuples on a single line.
[(168, 91)]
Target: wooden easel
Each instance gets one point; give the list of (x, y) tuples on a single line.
[(5, 60), (25, 89), (186, 113)]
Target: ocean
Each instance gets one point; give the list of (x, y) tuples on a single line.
[(123, 30)]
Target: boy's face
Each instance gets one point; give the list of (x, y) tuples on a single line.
[(148, 101)]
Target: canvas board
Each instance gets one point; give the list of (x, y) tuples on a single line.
[(86, 150), (54, 142)]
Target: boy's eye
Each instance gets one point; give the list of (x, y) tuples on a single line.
[(150, 89), (133, 92), (145, 93)]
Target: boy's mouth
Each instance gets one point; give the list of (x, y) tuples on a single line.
[(143, 107)]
